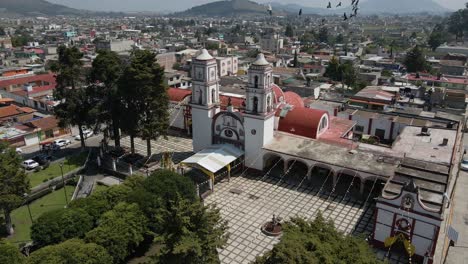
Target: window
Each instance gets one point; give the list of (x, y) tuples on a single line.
[(228, 133), (256, 82), (323, 123), (359, 129)]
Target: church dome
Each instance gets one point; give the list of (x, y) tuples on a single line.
[(204, 55), (260, 61), (304, 122), (293, 99)]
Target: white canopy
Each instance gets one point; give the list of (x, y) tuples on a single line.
[(215, 158)]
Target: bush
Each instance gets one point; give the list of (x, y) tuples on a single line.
[(71, 251), (59, 225), (10, 253), (120, 231)]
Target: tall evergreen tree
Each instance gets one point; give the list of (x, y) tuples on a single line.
[(333, 70), (104, 76), (415, 60), (143, 82), (13, 183), (289, 31), (75, 104)]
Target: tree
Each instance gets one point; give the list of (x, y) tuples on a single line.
[(2, 31), (75, 105), (289, 31), (101, 202), (71, 251), (120, 231), (437, 37), (415, 60), (348, 74), (387, 73), (10, 254), (333, 70), (317, 242), (59, 225), (104, 76), (13, 183), (457, 23), (192, 233), (144, 80)]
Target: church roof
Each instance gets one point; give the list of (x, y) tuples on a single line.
[(293, 99), (177, 94), (204, 55), (279, 95), (301, 121), (261, 61)]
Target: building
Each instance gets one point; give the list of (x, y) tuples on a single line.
[(272, 43), (410, 211), (227, 66), (115, 45)]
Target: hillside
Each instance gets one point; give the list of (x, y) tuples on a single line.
[(36, 8), (227, 9), (369, 7), (401, 6)]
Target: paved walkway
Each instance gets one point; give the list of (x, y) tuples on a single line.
[(260, 199)]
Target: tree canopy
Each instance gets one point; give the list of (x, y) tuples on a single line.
[(104, 76), (415, 60), (120, 230), (10, 253), (437, 37), (59, 225), (72, 251), (192, 233), (72, 91), (317, 242), (14, 183)]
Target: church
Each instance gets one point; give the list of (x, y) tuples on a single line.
[(247, 123), (263, 127)]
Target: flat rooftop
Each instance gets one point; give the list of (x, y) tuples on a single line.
[(429, 148), (309, 149)]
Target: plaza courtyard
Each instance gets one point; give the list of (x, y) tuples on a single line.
[(248, 202)]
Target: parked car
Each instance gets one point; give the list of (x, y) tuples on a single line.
[(19, 151), (30, 164), (43, 160), (464, 163), (62, 142), (86, 134)]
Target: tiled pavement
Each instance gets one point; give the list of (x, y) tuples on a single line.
[(260, 199), (180, 146)]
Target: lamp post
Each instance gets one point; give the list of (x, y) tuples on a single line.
[(63, 182), (29, 208)]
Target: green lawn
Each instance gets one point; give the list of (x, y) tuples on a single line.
[(21, 219), (53, 170)]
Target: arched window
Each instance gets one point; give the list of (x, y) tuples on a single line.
[(213, 96), (256, 81), (268, 80), (323, 123), (255, 104)]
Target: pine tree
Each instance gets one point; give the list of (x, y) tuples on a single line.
[(415, 60)]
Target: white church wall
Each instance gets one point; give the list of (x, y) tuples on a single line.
[(259, 132)]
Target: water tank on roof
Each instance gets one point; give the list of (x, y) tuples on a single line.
[(28, 87)]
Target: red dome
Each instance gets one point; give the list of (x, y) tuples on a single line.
[(293, 99), (177, 95), (301, 121), (278, 93)]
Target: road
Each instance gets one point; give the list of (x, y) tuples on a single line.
[(459, 253)]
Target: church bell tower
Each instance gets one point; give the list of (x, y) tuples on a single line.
[(205, 98), (259, 116)]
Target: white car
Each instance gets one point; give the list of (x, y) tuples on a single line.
[(464, 163), (19, 151), (30, 164), (62, 142), (86, 134)]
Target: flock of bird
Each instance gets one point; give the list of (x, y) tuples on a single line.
[(354, 8)]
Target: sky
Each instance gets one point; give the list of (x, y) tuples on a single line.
[(178, 5)]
